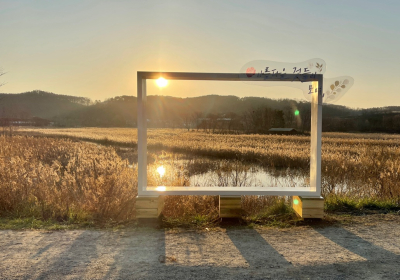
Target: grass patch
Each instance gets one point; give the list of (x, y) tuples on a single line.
[(280, 214), (335, 204), (32, 223), (190, 221)]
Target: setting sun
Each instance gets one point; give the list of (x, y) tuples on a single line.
[(161, 82)]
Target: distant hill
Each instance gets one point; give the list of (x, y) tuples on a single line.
[(39, 104), (173, 111), (115, 112), (166, 111)]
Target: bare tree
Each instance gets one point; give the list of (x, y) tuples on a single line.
[(196, 119), (187, 121), (305, 119), (213, 122), (1, 74), (289, 114), (6, 123), (396, 123)]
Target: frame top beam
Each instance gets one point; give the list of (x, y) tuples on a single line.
[(230, 76)]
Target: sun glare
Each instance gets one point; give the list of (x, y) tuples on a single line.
[(161, 82), (161, 188), (161, 170)]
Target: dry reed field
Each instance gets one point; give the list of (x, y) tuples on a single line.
[(58, 176), (76, 182), (64, 180), (355, 164)]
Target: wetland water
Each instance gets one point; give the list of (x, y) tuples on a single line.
[(165, 169)]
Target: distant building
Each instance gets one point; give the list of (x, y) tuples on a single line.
[(35, 121), (286, 131)]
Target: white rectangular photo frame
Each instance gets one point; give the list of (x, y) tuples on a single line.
[(314, 190)]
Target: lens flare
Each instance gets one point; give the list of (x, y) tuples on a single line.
[(161, 82)]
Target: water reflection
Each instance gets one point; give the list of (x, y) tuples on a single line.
[(167, 169), (255, 176)]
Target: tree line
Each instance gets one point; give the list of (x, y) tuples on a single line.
[(211, 113)]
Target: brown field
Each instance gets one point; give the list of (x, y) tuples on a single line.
[(61, 179), (65, 179), (366, 164)]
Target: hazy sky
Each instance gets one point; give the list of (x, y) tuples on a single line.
[(94, 48)]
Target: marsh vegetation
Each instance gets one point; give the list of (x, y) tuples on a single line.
[(69, 175)]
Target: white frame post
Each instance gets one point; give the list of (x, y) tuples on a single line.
[(314, 191), (316, 134), (307, 206), (142, 134)]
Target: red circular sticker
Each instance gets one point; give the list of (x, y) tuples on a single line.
[(250, 72)]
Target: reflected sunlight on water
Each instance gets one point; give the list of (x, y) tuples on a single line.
[(170, 169), (161, 170)]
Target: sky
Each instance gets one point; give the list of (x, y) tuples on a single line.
[(94, 48)]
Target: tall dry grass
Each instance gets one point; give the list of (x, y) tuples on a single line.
[(67, 180), (357, 165), (64, 180), (72, 181)]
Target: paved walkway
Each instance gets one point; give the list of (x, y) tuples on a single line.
[(367, 250)]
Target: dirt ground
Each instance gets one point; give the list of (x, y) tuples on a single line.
[(368, 248)]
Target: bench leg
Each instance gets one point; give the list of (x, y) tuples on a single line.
[(308, 207), (149, 206), (230, 206)]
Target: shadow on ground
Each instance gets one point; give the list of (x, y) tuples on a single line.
[(358, 252)]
